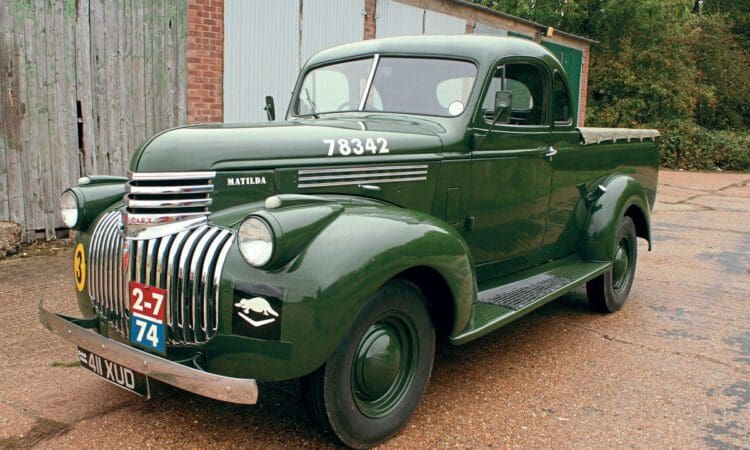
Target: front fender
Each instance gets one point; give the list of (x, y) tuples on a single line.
[(325, 286), (598, 238)]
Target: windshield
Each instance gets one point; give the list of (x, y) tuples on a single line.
[(436, 87)]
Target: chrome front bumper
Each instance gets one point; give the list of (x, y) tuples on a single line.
[(227, 389)]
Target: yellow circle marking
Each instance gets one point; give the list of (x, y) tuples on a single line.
[(79, 268)]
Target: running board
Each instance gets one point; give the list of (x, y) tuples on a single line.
[(518, 294)]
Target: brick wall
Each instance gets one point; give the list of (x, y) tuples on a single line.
[(205, 60), (370, 9), (584, 88)]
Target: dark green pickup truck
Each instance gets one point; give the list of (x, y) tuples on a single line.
[(420, 188)]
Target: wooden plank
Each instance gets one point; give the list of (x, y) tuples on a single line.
[(112, 86), (169, 100), (5, 88), (148, 63), (157, 68), (99, 85), (49, 130), (181, 62), (125, 80), (84, 82), (138, 73), (65, 89), (33, 143), (4, 212), (10, 67)]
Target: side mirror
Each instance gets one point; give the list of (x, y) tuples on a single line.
[(503, 106), (270, 108)]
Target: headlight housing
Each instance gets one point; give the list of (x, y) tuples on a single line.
[(256, 241), (69, 209)]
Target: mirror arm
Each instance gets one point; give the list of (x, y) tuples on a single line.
[(489, 130)]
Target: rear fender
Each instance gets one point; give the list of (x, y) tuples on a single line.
[(623, 194)]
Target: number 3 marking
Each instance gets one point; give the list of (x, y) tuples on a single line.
[(354, 146)]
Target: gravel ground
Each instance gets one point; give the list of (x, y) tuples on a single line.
[(670, 370)]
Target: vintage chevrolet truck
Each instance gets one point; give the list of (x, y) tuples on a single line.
[(420, 188)]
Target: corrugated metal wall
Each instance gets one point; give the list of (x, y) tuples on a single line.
[(261, 56), (481, 28), (114, 71), (264, 48), (397, 19), (328, 23), (437, 23)]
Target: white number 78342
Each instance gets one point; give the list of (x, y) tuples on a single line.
[(356, 147)]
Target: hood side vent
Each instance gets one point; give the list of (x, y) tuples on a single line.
[(356, 176)]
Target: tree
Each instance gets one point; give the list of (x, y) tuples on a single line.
[(723, 68)]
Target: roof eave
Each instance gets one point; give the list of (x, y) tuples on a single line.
[(522, 20)]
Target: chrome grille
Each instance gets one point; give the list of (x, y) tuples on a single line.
[(158, 204), (187, 264), (354, 176)]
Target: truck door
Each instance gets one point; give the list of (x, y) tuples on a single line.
[(571, 165), (511, 176)]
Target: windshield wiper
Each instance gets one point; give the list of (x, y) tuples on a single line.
[(314, 112)]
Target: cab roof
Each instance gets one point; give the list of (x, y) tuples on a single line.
[(483, 49)]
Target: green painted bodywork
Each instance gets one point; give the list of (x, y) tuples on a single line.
[(492, 209)]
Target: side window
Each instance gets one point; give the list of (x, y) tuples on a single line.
[(562, 101), (527, 84)]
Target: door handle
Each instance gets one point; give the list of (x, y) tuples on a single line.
[(552, 151)]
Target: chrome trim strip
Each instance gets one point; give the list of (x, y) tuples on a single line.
[(362, 175), (360, 169), (172, 280), (227, 389), (145, 232), (196, 264), (217, 278), (150, 263), (168, 203), (139, 263), (208, 266), (184, 281), (108, 236), (170, 190), (368, 85), (358, 182), (156, 176)]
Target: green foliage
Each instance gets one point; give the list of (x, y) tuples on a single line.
[(739, 11), (667, 64), (723, 66), (692, 147)]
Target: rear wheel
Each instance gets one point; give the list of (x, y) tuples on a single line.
[(372, 383), (609, 291)]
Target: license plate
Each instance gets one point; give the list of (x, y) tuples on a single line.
[(124, 377), (147, 313)]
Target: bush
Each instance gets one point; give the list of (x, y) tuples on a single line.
[(691, 147)]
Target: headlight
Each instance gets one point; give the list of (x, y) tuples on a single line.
[(69, 209), (256, 241)]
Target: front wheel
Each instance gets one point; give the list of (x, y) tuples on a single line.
[(372, 383), (608, 292)]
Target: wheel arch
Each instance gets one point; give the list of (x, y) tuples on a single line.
[(624, 196), (440, 299), (642, 224)]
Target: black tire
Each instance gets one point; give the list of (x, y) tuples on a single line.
[(342, 399), (609, 291)]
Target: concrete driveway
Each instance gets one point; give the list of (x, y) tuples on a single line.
[(672, 369)]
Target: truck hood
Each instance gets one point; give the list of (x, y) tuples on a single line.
[(274, 144)]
